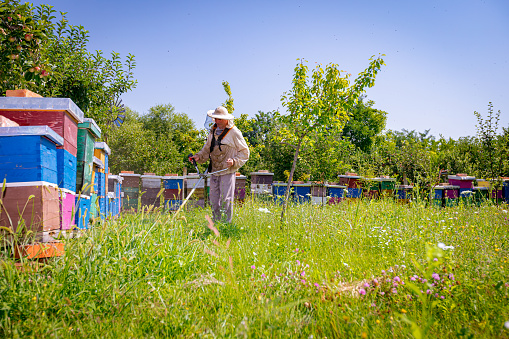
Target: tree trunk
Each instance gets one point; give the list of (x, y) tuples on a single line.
[(290, 178)]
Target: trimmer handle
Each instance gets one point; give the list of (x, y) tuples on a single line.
[(191, 159)]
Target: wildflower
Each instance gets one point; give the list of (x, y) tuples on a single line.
[(303, 274), (394, 291), (303, 281), (451, 276), (442, 297), (412, 278), (375, 281), (264, 210), (366, 285), (253, 267), (436, 295), (383, 272), (424, 281), (435, 276), (317, 285), (362, 291), (373, 305), (403, 266), (397, 279), (444, 247), (382, 293), (403, 310), (296, 250), (298, 263), (428, 292), (506, 325), (435, 259)]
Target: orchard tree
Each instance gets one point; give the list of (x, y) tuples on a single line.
[(319, 103), (51, 58)]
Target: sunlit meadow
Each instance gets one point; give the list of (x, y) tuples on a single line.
[(372, 269)]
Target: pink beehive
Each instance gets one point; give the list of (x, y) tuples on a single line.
[(67, 209)]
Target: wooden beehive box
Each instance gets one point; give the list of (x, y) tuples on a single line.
[(28, 153)]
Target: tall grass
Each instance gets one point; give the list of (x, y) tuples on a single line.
[(350, 270)]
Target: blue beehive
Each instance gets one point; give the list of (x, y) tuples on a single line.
[(28, 153), (354, 192), (279, 191), (82, 216), (66, 170), (302, 192)]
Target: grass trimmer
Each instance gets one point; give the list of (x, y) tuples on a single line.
[(201, 175)]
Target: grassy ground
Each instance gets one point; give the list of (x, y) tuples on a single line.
[(370, 270)]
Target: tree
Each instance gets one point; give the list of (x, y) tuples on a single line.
[(365, 125), (320, 103), (493, 149), (53, 61)]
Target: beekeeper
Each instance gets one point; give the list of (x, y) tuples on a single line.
[(225, 148)]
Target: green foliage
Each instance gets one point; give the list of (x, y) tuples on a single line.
[(157, 142), (319, 103), (228, 104), (55, 62), (493, 147), (365, 125)]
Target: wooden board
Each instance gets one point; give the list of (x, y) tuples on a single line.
[(66, 170), (40, 250)]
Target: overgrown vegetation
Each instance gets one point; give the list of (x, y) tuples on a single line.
[(374, 269)]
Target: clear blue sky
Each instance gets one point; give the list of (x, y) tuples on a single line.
[(445, 58)]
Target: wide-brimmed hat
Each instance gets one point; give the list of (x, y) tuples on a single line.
[(220, 113)]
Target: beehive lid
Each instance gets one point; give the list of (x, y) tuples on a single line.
[(481, 188), (91, 125), (98, 162), (350, 176), (151, 176), (460, 177), (111, 195), (29, 183), (42, 104), (261, 173), (173, 177), (385, 179), (129, 174), (240, 177), (44, 131), (302, 184), (102, 145), (279, 184), (335, 186)]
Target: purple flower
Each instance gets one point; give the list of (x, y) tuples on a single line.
[(388, 280), (442, 297), (395, 284), (412, 278), (394, 291), (298, 263), (435, 259), (435, 276), (253, 267), (436, 295), (428, 292), (375, 281), (263, 276), (397, 279), (303, 281), (383, 272), (296, 250), (362, 291), (303, 274), (424, 280), (366, 285), (317, 285), (373, 305), (451, 276), (382, 293)]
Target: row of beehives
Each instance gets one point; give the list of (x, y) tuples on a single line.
[(352, 187), (54, 171), (170, 190)]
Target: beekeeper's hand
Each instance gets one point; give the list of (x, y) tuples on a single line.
[(229, 162)]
